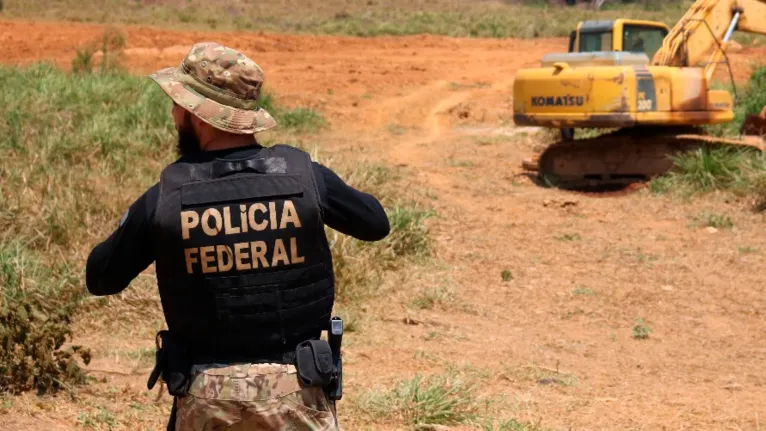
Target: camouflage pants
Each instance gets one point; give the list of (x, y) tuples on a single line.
[(264, 397)]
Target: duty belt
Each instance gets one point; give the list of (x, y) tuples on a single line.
[(266, 358)]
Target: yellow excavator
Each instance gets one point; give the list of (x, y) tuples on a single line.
[(649, 82)]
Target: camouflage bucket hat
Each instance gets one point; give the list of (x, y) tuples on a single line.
[(219, 85)]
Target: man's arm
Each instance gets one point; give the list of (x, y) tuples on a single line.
[(114, 263), (348, 210)]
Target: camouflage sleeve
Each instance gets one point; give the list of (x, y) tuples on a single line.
[(348, 210), (114, 263)]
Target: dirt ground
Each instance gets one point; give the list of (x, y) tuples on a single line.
[(584, 267)]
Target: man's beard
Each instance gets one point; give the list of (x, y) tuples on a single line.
[(188, 141)]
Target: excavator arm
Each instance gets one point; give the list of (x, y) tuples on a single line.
[(702, 35)]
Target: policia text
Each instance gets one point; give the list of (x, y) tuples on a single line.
[(242, 255)]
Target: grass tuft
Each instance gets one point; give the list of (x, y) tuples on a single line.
[(641, 330), (568, 237), (359, 266), (36, 307), (300, 120), (409, 234), (437, 400), (718, 221), (430, 297), (506, 275), (740, 171), (584, 291), (712, 169)]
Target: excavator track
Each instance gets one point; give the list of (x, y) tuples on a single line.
[(623, 157)]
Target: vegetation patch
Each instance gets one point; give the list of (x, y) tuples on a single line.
[(297, 120), (740, 171), (641, 330), (568, 237), (584, 291), (440, 401), (718, 221), (752, 100), (436, 400), (36, 305), (430, 297), (508, 425), (506, 275), (516, 19)]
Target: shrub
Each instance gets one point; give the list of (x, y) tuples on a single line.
[(36, 308)]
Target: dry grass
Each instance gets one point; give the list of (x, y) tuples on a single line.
[(438, 401), (464, 18)]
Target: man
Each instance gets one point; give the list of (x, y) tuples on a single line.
[(244, 270)]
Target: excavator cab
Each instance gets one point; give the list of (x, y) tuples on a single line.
[(620, 35)]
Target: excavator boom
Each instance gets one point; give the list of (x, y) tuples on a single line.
[(702, 35)]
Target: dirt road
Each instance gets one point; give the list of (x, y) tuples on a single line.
[(554, 342)]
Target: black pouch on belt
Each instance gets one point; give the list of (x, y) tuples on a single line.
[(173, 364), (313, 360)]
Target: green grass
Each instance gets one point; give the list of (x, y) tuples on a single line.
[(76, 150), (409, 233), (641, 330), (508, 425), (436, 400), (741, 171), (752, 99), (584, 291), (495, 19), (441, 400), (506, 275), (718, 221), (303, 119), (748, 250), (299, 120)]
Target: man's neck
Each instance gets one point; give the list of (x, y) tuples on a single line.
[(229, 142)]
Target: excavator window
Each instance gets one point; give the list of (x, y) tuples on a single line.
[(596, 41), (638, 38)]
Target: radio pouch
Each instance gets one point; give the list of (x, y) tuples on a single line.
[(313, 360), (172, 364)]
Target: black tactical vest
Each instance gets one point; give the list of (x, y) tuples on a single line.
[(243, 265)]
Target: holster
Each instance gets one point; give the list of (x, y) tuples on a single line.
[(313, 360), (172, 362), (320, 364)]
